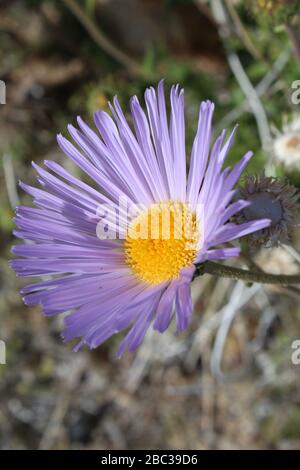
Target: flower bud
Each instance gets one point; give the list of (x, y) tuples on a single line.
[(272, 198)]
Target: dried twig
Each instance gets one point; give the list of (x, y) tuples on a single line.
[(63, 398), (242, 31), (239, 297), (242, 78), (101, 39), (262, 88), (292, 251)]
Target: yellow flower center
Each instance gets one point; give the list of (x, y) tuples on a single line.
[(294, 142), (161, 241)]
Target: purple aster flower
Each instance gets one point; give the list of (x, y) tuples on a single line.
[(107, 285)]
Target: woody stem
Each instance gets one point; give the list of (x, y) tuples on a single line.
[(221, 270)]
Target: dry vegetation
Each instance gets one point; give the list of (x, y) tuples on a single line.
[(228, 382)]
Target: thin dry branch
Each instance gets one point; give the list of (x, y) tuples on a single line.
[(101, 39)]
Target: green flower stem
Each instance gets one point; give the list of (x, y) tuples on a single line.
[(221, 270)]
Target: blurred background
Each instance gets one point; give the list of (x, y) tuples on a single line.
[(228, 382)]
